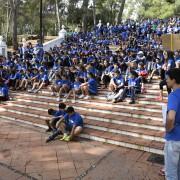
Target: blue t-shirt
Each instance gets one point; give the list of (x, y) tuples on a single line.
[(92, 86), (3, 91), (171, 63), (133, 82), (59, 113), (174, 104), (76, 85), (58, 82), (118, 80), (73, 120)]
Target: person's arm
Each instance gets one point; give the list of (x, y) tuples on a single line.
[(59, 122), (170, 120), (172, 109), (72, 132), (84, 84)]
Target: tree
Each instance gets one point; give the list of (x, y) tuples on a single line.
[(120, 12), (84, 16)]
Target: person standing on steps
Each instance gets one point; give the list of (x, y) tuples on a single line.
[(172, 144)]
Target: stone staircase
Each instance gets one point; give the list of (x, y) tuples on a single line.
[(136, 126)]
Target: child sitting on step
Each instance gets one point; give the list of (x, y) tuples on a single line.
[(75, 89), (4, 95), (132, 89)]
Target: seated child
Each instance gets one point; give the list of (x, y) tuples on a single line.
[(66, 84), (116, 86), (132, 89), (143, 74), (75, 89), (71, 124), (4, 94), (51, 123), (89, 88), (57, 84), (42, 82)]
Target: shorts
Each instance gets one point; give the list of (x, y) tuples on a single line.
[(54, 121), (92, 93), (68, 128)]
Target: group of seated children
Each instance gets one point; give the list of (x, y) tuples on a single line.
[(65, 123), (121, 86), (62, 86)]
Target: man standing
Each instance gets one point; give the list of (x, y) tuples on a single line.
[(172, 144)]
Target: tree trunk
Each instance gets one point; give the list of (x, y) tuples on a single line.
[(58, 17), (84, 18), (13, 4), (8, 18), (94, 12), (120, 12)]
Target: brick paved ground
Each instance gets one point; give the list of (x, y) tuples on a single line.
[(25, 155)]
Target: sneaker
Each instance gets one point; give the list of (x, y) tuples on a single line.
[(52, 94), (64, 137), (143, 90), (58, 99), (35, 91), (48, 130), (87, 97), (30, 91), (81, 96), (132, 102), (67, 139), (73, 101), (64, 100)]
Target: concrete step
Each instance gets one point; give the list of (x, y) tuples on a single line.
[(40, 110), (112, 110), (124, 140), (99, 135)]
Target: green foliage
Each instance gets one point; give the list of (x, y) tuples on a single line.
[(157, 9)]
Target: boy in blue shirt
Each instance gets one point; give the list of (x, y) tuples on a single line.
[(133, 86), (51, 123), (172, 144), (89, 88), (71, 124), (75, 89)]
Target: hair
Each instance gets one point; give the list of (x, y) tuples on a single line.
[(51, 111), (91, 75), (134, 73), (70, 109), (174, 74), (170, 55), (62, 106)]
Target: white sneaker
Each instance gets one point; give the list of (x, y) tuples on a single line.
[(81, 96), (58, 99), (64, 100), (87, 97), (73, 101), (30, 90), (52, 94)]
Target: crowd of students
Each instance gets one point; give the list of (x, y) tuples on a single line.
[(85, 61)]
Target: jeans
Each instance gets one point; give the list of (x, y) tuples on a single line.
[(172, 160)]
